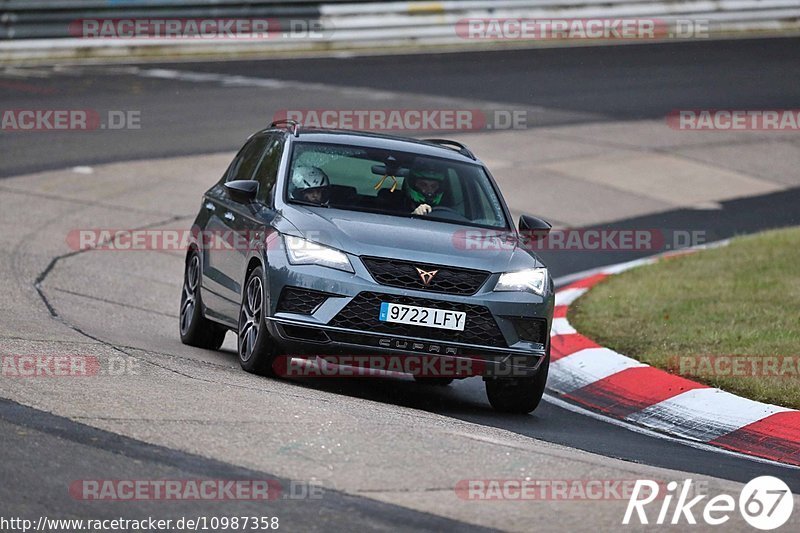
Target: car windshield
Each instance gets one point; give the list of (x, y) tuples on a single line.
[(388, 182)]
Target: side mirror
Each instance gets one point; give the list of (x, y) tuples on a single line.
[(242, 191), (533, 228)]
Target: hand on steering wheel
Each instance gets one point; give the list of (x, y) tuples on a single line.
[(422, 209)]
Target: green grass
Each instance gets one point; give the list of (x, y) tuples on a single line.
[(742, 299)]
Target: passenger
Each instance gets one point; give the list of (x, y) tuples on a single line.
[(310, 184)]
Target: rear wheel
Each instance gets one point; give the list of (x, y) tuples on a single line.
[(518, 395), (257, 350), (196, 329)]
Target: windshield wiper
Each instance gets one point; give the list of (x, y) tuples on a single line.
[(311, 204)]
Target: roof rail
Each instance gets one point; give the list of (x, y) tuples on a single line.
[(460, 148), (291, 125)]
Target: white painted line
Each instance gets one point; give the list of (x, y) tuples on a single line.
[(558, 402), (562, 281), (567, 296), (561, 327), (227, 80), (585, 367), (703, 414), (622, 267), (14, 72)]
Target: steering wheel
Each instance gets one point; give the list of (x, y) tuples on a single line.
[(447, 212)]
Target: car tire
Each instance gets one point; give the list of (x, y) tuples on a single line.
[(256, 348), (195, 328), (439, 382), (518, 395)]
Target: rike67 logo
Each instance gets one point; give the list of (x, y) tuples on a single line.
[(765, 503)]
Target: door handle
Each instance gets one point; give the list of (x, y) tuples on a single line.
[(210, 206), (229, 216)]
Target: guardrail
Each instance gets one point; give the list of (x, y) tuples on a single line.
[(436, 21), (343, 24), (35, 19)]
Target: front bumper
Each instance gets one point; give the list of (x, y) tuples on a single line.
[(313, 334)]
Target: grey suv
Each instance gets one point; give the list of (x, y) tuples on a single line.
[(319, 242)]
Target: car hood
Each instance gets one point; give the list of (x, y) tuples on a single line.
[(412, 239)]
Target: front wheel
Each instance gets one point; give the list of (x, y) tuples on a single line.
[(257, 351), (518, 395)]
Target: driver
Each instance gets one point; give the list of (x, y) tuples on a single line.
[(425, 190), (310, 184)]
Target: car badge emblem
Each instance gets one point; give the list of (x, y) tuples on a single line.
[(426, 275)]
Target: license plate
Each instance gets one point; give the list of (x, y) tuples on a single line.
[(422, 316)]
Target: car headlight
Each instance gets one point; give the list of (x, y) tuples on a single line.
[(532, 280), (303, 252)]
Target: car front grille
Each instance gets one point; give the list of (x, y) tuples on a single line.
[(300, 301), (362, 314), (404, 274)]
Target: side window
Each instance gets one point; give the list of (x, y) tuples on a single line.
[(267, 171), (249, 156)]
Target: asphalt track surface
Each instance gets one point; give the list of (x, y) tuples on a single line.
[(91, 449), (574, 85)]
